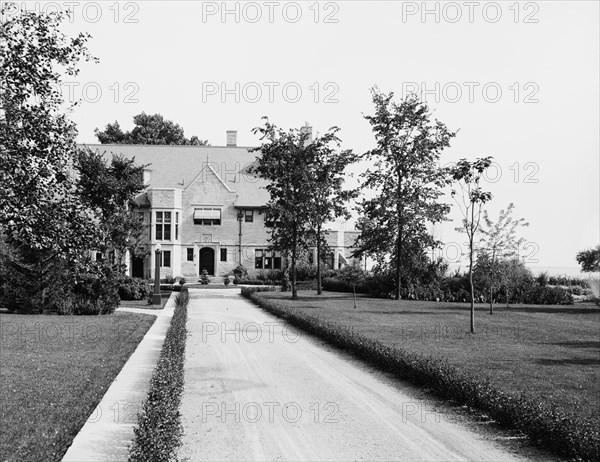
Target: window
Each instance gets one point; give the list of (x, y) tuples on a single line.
[(176, 226), (223, 254), (166, 259), (150, 226), (258, 259), (267, 259), (207, 217), (248, 216), (163, 226), (329, 260), (190, 254)]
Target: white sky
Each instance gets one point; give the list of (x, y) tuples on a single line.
[(176, 55)]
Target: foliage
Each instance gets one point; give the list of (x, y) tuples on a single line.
[(549, 427), (133, 288), (149, 129), (182, 281), (589, 260), (159, 430), (239, 272), (498, 241), (328, 199), (204, 277), (226, 280), (468, 175), (45, 229), (285, 162), (406, 179), (111, 190)]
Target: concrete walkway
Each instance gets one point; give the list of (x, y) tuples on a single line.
[(258, 389), (108, 432)]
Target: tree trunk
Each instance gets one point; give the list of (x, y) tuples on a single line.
[(472, 289), (506, 293), (294, 245), (319, 288), (492, 282), (399, 241)]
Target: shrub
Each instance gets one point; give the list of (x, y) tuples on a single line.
[(204, 277), (168, 280), (182, 281), (226, 280), (158, 433), (133, 288)]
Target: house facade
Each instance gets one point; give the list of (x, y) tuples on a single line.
[(204, 210)]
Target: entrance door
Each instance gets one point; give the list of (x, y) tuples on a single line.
[(137, 267), (207, 260)]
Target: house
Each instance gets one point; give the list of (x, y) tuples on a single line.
[(204, 210)]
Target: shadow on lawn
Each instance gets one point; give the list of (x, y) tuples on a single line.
[(593, 345), (569, 362)]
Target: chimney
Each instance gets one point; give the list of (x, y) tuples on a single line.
[(231, 137), (307, 129)]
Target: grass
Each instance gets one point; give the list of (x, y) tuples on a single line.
[(548, 354), (55, 370)]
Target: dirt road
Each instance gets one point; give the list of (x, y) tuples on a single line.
[(256, 389)]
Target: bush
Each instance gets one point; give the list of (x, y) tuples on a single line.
[(226, 280), (549, 427), (182, 281), (133, 288), (168, 280), (204, 277), (159, 430), (239, 272)]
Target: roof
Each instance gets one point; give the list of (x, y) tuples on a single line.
[(174, 166)]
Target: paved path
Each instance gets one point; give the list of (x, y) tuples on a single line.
[(108, 432), (258, 390)]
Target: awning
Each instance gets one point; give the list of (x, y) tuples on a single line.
[(207, 214)]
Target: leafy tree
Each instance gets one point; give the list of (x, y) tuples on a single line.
[(468, 175), (499, 241), (406, 179), (111, 190), (328, 198), (149, 129), (285, 162), (589, 260), (45, 229)]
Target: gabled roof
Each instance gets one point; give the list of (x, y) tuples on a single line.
[(174, 166)]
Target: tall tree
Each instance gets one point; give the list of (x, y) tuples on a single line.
[(149, 129), (499, 241), (406, 180), (45, 227), (111, 189), (328, 199), (285, 162), (468, 176)]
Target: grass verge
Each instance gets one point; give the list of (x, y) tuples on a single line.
[(376, 332), (54, 372), (159, 430)]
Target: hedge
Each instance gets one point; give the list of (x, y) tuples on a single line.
[(550, 428), (159, 430)]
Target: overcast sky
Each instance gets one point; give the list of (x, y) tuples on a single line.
[(520, 81)]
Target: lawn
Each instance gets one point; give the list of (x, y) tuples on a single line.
[(54, 371), (551, 353)]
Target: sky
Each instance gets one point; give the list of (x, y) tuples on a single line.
[(518, 80)]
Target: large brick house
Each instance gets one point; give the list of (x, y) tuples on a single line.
[(206, 211)]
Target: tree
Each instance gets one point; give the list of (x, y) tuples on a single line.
[(111, 190), (499, 241), (406, 179), (468, 175), (328, 198), (285, 162), (589, 260), (45, 229), (149, 129)]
